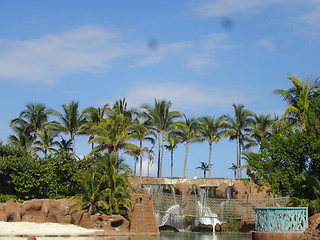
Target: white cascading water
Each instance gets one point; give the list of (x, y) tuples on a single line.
[(172, 216), (206, 216)]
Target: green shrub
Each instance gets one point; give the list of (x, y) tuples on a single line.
[(6, 197), (234, 224)]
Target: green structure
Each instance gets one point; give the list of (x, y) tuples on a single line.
[(282, 219)]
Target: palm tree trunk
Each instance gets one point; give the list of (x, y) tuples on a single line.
[(73, 144), (141, 155), (135, 166), (238, 157), (209, 160), (159, 157), (171, 163), (162, 152), (185, 161)]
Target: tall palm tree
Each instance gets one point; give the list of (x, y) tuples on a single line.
[(210, 130), (72, 121), (188, 132), (237, 128), (298, 97), (204, 167), (173, 142), (142, 133), (162, 120)]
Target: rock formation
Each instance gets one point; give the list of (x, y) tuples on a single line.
[(60, 211), (313, 230)]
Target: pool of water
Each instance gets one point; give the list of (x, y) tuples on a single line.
[(162, 236)]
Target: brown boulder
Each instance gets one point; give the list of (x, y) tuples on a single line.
[(217, 227), (313, 230), (13, 212), (221, 190), (31, 237), (32, 211), (249, 191), (247, 225)]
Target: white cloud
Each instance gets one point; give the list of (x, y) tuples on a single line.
[(90, 49), (206, 54), (188, 95), (152, 170), (159, 53), (85, 49), (220, 8)]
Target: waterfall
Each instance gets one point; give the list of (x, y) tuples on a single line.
[(173, 215), (206, 216)]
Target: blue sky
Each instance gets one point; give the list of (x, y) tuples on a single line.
[(201, 55)]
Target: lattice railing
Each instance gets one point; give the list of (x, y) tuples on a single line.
[(224, 208), (284, 219)]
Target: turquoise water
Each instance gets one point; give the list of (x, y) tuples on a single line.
[(162, 236)]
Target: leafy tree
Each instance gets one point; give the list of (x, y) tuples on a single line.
[(284, 157), (237, 128), (298, 98), (210, 129), (162, 120)]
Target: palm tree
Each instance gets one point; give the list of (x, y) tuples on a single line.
[(33, 119), (91, 192), (116, 184), (188, 132), (94, 116), (46, 141), (64, 146), (113, 134), (234, 169), (72, 121), (161, 119), (298, 97), (121, 107), (210, 130), (171, 146), (262, 128), (238, 128), (204, 167), (135, 153), (22, 138), (150, 153), (141, 132)]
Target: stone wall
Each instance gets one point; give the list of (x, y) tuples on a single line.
[(142, 216)]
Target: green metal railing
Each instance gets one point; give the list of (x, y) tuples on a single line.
[(282, 219)]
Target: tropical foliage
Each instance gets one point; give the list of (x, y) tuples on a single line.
[(40, 159)]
